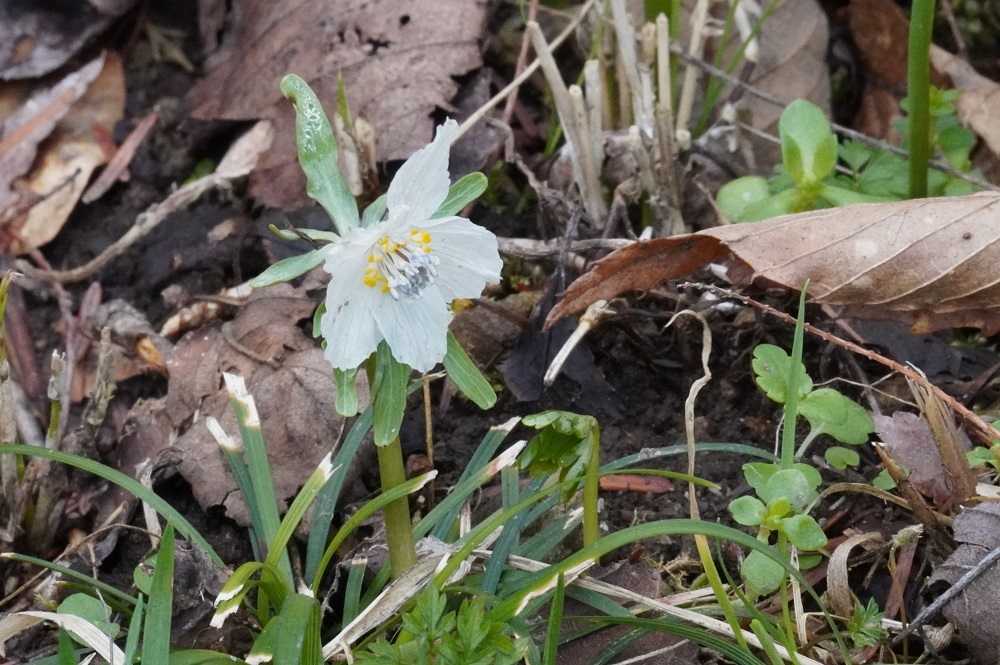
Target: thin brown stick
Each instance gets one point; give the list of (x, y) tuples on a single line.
[(522, 58)]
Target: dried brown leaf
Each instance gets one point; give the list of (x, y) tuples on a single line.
[(28, 126), (930, 262), (70, 156), (975, 611), (398, 59), (911, 443)]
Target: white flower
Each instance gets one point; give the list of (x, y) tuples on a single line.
[(394, 279)]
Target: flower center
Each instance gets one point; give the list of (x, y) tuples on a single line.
[(402, 268)]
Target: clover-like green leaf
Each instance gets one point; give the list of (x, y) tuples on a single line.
[(761, 575), (748, 510), (757, 473), (804, 532), (771, 364), (791, 485), (838, 416), (736, 195), (841, 458), (808, 146)]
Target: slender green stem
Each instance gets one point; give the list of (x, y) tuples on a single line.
[(392, 472), (591, 488), (399, 534), (786, 613), (918, 82), (792, 390)]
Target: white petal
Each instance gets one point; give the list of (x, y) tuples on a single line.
[(421, 184), (350, 330), (468, 255), (416, 330)]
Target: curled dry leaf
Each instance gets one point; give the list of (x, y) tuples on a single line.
[(929, 262)]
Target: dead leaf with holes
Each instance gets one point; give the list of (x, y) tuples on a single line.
[(398, 58), (929, 262)]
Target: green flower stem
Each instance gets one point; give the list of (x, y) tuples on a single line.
[(786, 613), (591, 488), (399, 534), (918, 82), (392, 472)]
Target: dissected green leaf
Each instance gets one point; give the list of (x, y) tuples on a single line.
[(563, 444), (346, 400), (388, 395)]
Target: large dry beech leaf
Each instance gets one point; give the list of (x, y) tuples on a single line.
[(398, 59), (930, 262)]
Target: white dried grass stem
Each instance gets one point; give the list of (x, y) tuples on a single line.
[(591, 185), (629, 60), (594, 314), (560, 96), (595, 109), (691, 72), (481, 112), (663, 87), (744, 25)]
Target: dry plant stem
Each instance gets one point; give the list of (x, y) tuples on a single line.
[(846, 132), (595, 115), (663, 117), (686, 102), (481, 112), (596, 313), (629, 60), (701, 542), (982, 428), (589, 160), (655, 604), (918, 505), (564, 108), (144, 224), (522, 58)]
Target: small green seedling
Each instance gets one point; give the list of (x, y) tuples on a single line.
[(567, 443), (806, 178), (430, 634), (787, 491), (865, 626)]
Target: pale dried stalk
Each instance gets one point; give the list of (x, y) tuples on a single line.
[(695, 48), (481, 112), (663, 117), (588, 158), (594, 99), (630, 63), (576, 136)]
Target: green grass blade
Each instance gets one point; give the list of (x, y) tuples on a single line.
[(551, 649), (352, 591), (298, 509), (127, 483), (326, 501), (87, 580), (66, 654), (156, 630), (484, 453), (510, 538), (134, 631), (248, 420), (363, 513)]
